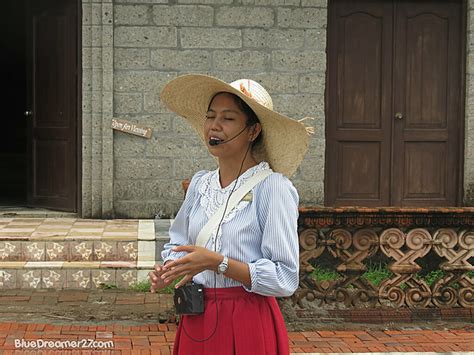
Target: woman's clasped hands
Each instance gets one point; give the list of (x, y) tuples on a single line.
[(197, 260)]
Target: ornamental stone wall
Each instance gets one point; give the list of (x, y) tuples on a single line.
[(131, 48)]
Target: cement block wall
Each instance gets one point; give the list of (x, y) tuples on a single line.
[(279, 43)]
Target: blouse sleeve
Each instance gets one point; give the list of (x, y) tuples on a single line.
[(276, 273), (179, 229)]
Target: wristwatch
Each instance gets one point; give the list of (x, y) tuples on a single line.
[(222, 268)]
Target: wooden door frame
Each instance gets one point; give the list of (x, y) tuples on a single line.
[(461, 113), (462, 103)]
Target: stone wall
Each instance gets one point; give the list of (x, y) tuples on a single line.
[(280, 43), (97, 100)]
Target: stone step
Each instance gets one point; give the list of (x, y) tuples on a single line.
[(68, 240), (11, 209), (78, 275), (68, 250), (75, 253)]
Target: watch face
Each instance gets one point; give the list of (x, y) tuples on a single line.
[(223, 266)]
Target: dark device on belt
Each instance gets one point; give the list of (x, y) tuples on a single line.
[(189, 299)]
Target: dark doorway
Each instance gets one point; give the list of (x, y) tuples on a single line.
[(13, 133), (39, 141), (395, 103)]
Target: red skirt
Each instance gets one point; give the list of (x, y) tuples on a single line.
[(247, 324)]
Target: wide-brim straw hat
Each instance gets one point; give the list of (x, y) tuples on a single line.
[(285, 141)]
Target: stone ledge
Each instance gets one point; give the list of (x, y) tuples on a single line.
[(76, 265), (320, 217), (381, 315)]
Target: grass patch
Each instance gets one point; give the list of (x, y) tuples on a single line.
[(376, 273), (432, 276), (320, 274), (144, 286), (141, 286)]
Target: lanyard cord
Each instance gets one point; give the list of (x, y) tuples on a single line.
[(215, 250)]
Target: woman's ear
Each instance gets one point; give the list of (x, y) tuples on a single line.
[(255, 131)]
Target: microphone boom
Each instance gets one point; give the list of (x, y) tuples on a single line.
[(215, 142)]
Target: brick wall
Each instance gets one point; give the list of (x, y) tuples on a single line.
[(280, 43)]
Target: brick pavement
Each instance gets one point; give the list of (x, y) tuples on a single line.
[(141, 323), (158, 339)]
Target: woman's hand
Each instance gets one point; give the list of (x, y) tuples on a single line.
[(197, 260), (157, 283)]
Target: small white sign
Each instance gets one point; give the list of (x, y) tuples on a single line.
[(131, 128)]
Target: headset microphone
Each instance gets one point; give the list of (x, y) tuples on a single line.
[(215, 142)]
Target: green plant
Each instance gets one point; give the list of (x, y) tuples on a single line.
[(376, 273), (141, 286), (145, 285), (320, 274), (432, 276)]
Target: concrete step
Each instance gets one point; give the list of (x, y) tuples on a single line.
[(73, 253), (80, 275), (14, 208), (75, 249)]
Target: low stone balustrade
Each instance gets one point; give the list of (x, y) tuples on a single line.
[(350, 238)]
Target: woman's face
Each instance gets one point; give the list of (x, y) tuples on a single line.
[(224, 121)]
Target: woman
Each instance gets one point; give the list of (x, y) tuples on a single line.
[(251, 257)]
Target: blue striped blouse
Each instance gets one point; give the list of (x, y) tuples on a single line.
[(261, 231)]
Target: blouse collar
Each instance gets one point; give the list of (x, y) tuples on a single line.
[(216, 177), (213, 195)]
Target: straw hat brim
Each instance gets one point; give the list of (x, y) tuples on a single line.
[(284, 143)]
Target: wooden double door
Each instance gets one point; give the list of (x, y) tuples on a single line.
[(395, 103)]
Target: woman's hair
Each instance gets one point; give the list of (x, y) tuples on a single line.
[(252, 118)]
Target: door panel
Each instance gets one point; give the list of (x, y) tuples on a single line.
[(52, 154), (427, 91), (359, 164), (426, 72), (425, 164), (360, 71), (359, 87), (52, 45)]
